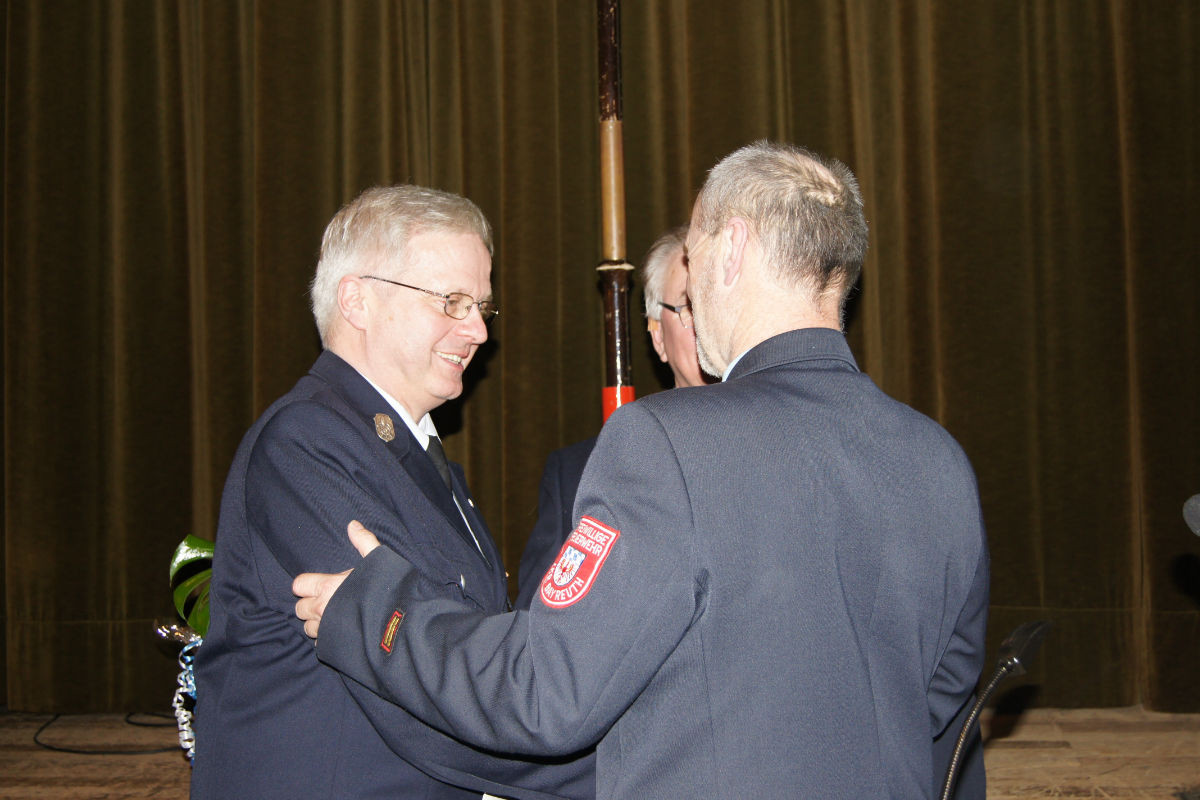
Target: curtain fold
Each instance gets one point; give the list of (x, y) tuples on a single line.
[(1030, 174)]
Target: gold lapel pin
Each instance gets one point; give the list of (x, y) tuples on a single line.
[(384, 428)]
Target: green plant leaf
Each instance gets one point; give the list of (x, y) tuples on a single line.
[(190, 550), (193, 559), (198, 618), (187, 593)]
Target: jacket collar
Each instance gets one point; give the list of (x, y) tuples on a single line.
[(364, 399), (805, 344)]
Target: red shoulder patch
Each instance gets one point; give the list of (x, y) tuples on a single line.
[(578, 563)]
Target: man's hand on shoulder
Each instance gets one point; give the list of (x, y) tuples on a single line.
[(315, 589)]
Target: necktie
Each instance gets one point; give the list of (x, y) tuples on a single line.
[(438, 456)]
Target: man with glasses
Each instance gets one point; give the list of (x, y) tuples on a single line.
[(668, 310), (402, 297), (669, 323), (777, 586)]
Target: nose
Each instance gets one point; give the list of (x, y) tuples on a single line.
[(473, 326)]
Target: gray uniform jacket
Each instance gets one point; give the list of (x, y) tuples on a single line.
[(777, 588)]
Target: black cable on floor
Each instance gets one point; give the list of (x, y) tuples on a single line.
[(129, 719), (74, 751)]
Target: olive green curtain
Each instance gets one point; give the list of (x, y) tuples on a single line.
[(1032, 182)]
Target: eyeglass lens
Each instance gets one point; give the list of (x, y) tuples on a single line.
[(458, 306)]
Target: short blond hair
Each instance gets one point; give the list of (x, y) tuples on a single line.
[(379, 223)]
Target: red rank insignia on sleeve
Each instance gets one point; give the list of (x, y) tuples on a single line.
[(389, 633), (578, 563)]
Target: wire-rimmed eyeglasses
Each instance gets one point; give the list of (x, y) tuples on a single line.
[(684, 312), (458, 305)]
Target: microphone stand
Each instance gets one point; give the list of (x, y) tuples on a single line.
[(1015, 654)]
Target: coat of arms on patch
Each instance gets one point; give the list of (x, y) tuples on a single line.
[(578, 563), (567, 565)]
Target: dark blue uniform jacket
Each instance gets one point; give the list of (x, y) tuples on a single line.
[(273, 722)]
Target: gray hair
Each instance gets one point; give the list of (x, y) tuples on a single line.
[(658, 266), (806, 211), (378, 224)]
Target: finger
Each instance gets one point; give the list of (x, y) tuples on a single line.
[(310, 614), (307, 584), (363, 540), (318, 585), (309, 608)]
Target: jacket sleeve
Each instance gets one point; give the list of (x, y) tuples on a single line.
[(955, 678), (554, 679), (959, 668), (309, 474)]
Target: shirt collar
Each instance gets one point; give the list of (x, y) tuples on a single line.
[(421, 430), (732, 364)]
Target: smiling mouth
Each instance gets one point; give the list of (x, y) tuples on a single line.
[(451, 357)]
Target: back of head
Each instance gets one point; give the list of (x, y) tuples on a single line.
[(375, 227), (658, 266), (806, 211)]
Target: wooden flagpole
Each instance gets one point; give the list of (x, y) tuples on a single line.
[(615, 271)]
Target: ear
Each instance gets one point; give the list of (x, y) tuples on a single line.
[(656, 338), (734, 237), (352, 302)]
